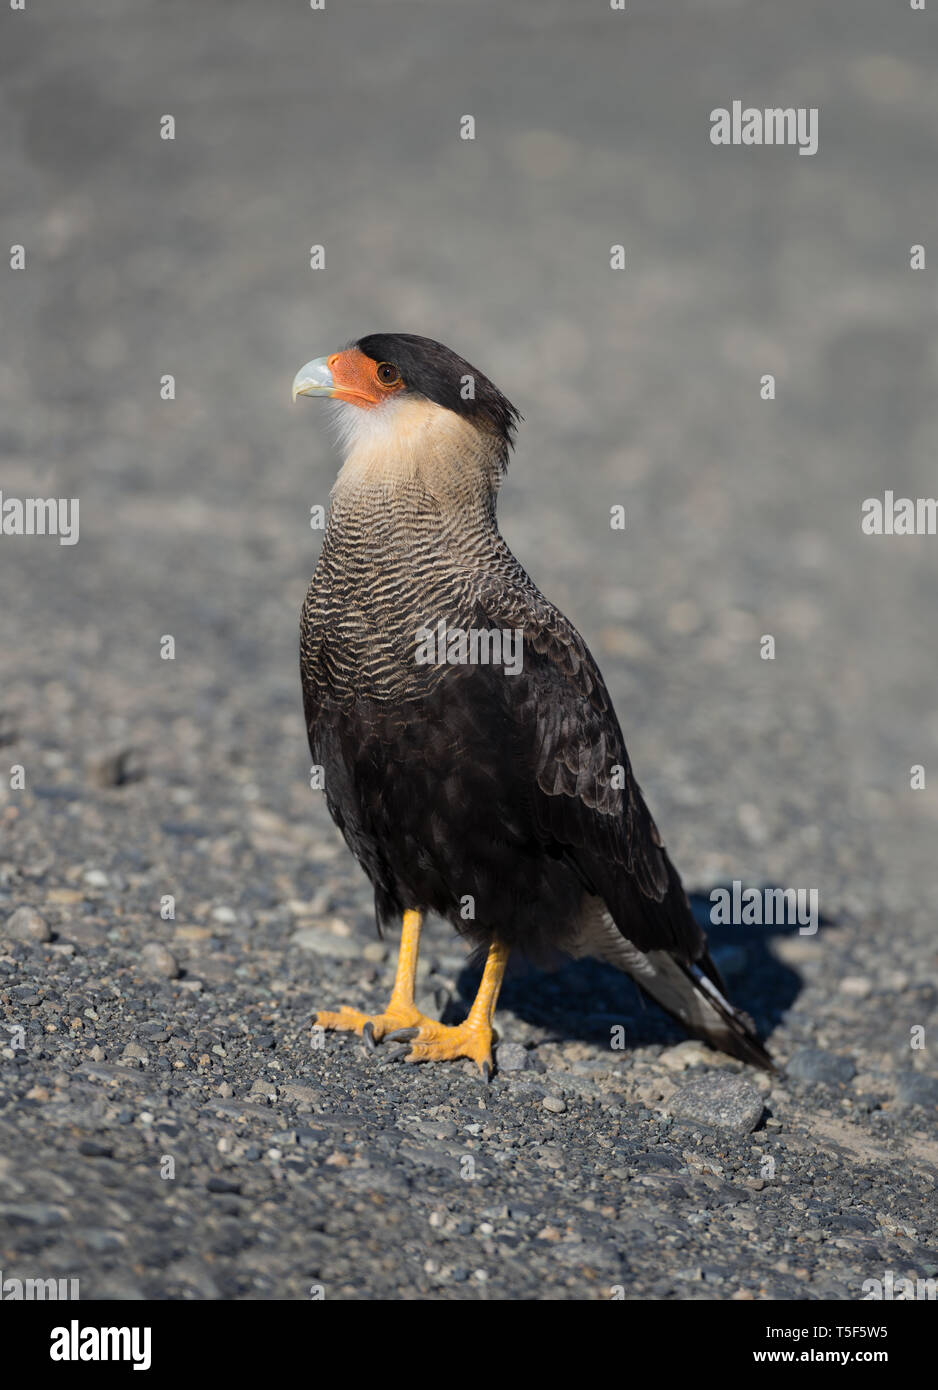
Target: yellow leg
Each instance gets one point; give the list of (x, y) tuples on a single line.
[(401, 1011), (432, 1041), (435, 1042)]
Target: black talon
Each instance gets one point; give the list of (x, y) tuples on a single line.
[(396, 1053), (368, 1036), (486, 1073), (402, 1035)]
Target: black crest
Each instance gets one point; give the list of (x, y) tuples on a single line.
[(432, 370)]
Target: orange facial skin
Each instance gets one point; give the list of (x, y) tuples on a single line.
[(356, 379)]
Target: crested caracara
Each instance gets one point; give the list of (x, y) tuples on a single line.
[(471, 754)]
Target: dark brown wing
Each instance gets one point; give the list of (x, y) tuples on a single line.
[(588, 807)]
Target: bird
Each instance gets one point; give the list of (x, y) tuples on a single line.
[(469, 750)]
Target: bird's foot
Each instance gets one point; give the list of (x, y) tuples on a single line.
[(373, 1027), (430, 1041), (437, 1042)]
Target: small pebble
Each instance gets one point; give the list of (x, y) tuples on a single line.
[(512, 1057), (158, 960), (116, 767), (220, 1184), (25, 924), (91, 1148), (856, 986)]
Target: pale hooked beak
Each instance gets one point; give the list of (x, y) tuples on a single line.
[(315, 379)]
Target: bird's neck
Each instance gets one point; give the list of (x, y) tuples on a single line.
[(419, 464)]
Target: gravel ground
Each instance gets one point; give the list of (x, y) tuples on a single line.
[(170, 1124)]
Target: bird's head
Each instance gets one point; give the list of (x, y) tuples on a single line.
[(398, 393)]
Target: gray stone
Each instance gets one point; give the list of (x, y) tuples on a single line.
[(158, 960), (719, 1101), (217, 1183), (106, 1071), (325, 943), (93, 1148), (25, 924), (116, 767), (296, 1091), (512, 1057)]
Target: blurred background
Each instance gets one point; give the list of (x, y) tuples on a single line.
[(641, 387)]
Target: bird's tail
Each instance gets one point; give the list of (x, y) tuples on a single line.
[(693, 994)]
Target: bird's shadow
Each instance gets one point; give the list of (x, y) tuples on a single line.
[(584, 999)]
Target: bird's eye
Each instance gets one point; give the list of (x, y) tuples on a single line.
[(388, 374)]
